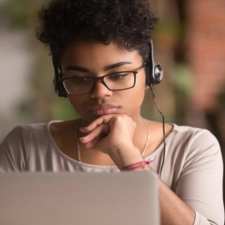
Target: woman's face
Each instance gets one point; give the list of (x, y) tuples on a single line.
[(96, 59)]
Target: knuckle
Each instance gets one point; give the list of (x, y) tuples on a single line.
[(119, 117)]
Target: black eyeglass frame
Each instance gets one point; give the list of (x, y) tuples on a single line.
[(101, 78)]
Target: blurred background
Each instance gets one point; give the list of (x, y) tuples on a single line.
[(189, 43)]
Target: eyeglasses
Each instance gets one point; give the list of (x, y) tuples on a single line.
[(77, 84)]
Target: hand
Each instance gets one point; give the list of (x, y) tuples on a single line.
[(112, 134)]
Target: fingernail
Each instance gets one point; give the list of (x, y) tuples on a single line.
[(82, 139)]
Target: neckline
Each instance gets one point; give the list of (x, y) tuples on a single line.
[(59, 151)]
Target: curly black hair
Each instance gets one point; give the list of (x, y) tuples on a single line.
[(129, 23)]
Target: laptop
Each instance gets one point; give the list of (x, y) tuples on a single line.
[(79, 198)]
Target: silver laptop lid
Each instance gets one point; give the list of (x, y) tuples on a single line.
[(79, 199)]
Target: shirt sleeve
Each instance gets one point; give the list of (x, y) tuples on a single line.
[(201, 182), (12, 154)]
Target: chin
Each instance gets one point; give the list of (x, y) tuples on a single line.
[(88, 117)]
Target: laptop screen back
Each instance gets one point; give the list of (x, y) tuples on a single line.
[(79, 198)]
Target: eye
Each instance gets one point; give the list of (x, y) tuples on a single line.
[(118, 76), (80, 79)]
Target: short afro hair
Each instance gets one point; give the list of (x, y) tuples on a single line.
[(129, 23)]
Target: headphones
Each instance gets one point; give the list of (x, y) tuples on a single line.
[(154, 72)]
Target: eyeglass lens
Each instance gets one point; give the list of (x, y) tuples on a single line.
[(114, 81)]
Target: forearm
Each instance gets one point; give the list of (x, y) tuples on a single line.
[(174, 211)]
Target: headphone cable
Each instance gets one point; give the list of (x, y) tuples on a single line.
[(163, 128)]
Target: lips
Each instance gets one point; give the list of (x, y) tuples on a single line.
[(105, 110)]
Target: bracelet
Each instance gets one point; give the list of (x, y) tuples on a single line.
[(138, 165)]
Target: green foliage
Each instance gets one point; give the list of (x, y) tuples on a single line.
[(21, 13), (182, 79), (17, 12), (167, 28), (62, 110)]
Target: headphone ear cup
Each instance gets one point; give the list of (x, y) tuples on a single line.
[(154, 71), (157, 74), (60, 90), (153, 76)]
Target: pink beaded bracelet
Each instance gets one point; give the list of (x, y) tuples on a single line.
[(137, 165)]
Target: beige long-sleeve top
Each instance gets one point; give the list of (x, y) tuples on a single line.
[(192, 168)]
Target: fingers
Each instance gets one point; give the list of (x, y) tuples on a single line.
[(89, 137), (93, 137), (96, 123), (92, 143), (97, 130)]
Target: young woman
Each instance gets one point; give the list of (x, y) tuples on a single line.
[(103, 61)]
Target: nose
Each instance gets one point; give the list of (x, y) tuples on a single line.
[(100, 90)]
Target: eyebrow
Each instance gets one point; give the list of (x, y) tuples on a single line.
[(106, 68)]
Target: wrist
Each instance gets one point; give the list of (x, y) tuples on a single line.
[(138, 166), (126, 155)]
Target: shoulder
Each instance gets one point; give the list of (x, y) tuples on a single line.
[(191, 151), (195, 146), (22, 136), (18, 144), (193, 136), (21, 131)]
